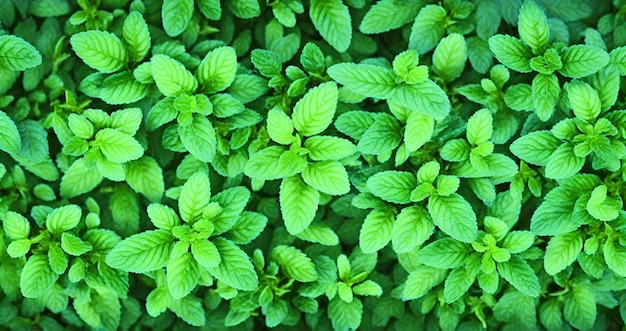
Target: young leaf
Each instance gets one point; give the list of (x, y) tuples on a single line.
[(345, 316), (519, 274), (235, 268), (194, 197), (388, 15), (323, 148), (562, 251), (176, 15), (36, 277), (413, 226), (279, 127), (584, 100), (15, 226), (533, 26), (136, 35), (217, 70), (449, 57), (315, 111), (298, 203), (294, 263), (392, 186), (332, 19), (63, 219), (17, 54), (329, 177), (118, 147), (480, 127), (142, 252), (171, 76), (454, 216), (100, 50), (182, 275)]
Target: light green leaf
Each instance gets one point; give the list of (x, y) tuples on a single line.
[(315, 111), (454, 216), (279, 127), (176, 15), (171, 76), (294, 263), (392, 186), (535, 147), (365, 79), (264, 164), (117, 146), (388, 15), (428, 28), (232, 200), (142, 252), (457, 284), (445, 253), (194, 196), (146, 177), (418, 130), (345, 316), (376, 231), (163, 217), (136, 35), (511, 52), (413, 226), (480, 127), (450, 56), (329, 177), (564, 163), (73, 245), (332, 19), (36, 277), (319, 233), (584, 100), (545, 94), (16, 54), (383, 136), (199, 138), (583, 60), (235, 268), (244, 8), (182, 275), (323, 148), (425, 97), (162, 112), (79, 179), (551, 315), (10, 140), (421, 280), (205, 253), (579, 307), (562, 251), (519, 274), (298, 203), (100, 50), (533, 26), (190, 310), (127, 120), (63, 219), (217, 70), (15, 226)]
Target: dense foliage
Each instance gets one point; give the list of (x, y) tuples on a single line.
[(312, 164)]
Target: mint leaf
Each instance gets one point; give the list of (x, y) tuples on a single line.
[(562, 251), (182, 275), (445, 253), (9, 136), (449, 57), (176, 15), (533, 26), (217, 70), (564, 163), (136, 35), (366, 79), (535, 147), (298, 203), (454, 216), (519, 274), (142, 252), (315, 111), (511, 52), (100, 50), (235, 268), (584, 100), (63, 219), (294, 263), (332, 19), (329, 177), (17, 54), (392, 186), (376, 231), (171, 76), (583, 60), (36, 277), (428, 28)]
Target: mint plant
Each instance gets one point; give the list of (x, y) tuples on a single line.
[(322, 164)]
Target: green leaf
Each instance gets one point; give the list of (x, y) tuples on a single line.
[(265, 165), (425, 97), (294, 263), (217, 70), (383, 136), (136, 35), (323, 148), (457, 284), (584, 100), (450, 56), (190, 310), (480, 127), (117, 146), (298, 203), (319, 233), (182, 275), (10, 141), (199, 138), (392, 186), (535, 147), (100, 50), (15, 226), (73, 245), (79, 179), (564, 163), (244, 8), (517, 309), (365, 79), (511, 52), (146, 177), (413, 226), (345, 316), (232, 200), (376, 231), (329, 177), (562, 251), (205, 253), (142, 252), (17, 54), (545, 94), (315, 111), (176, 15), (388, 15), (421, 281), (36, 277), (332, 19), (418, 130), (279, 127), (162, 112), (583, 60), (428, 28), (445, 253), (454, 216), (235, 268), (171, 76), (63, 219), (533, 26), (551, 315), (519, 274), (579, 307), (194, 197)]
